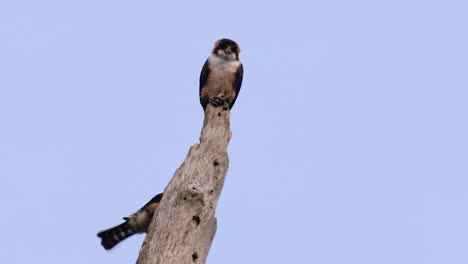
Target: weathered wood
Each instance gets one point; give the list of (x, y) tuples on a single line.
[(184, 225)]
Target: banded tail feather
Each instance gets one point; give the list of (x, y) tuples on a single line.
[(135, 223), (111, 237)]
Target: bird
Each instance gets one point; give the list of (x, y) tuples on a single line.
[(221, 75), (135, 223)]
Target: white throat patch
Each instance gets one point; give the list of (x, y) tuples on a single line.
[(219, 63)]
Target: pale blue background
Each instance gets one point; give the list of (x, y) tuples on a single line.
[(350, 135)]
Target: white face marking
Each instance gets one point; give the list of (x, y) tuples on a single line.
[(226, 55), (222, 64), (221, 52)]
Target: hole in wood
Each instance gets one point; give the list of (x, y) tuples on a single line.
[(219, 113), (196, 219), (215, 162), (194, 256), (211, 192)]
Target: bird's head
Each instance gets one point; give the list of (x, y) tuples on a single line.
[(227, 49)]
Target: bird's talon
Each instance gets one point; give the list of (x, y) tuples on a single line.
[(216, 101)]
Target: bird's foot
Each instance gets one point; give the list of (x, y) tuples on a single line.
[(225, 105), (216, 101)]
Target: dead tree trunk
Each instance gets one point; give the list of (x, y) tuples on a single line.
[(185, 224)]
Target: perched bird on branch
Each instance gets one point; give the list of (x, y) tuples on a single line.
[(221, 75), (135, 223)]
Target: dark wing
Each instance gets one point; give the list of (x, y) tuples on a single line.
[(155, 199), (237, 83), (203, 79)]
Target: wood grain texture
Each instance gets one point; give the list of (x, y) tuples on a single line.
[(184, 225)]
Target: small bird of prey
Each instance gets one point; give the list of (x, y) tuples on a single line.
[(221, 75), (135, 223)]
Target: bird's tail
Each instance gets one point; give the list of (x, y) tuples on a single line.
[(111, 237)]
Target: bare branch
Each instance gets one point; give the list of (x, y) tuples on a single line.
[(184, 225)]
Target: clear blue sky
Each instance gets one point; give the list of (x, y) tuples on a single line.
[(350, 135)]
